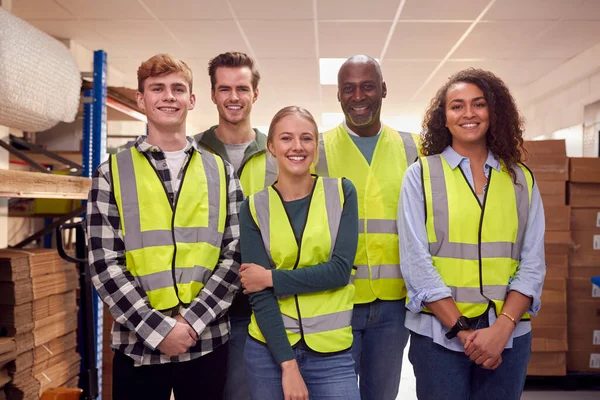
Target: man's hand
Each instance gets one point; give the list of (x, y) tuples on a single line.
[(255, 278), (179, 340), (294, 387)]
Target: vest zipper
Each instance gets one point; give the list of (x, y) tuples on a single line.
[(482, 206), (299, 244), (173, 226)]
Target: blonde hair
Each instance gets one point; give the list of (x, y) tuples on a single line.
[(299, 112), (162, 64)]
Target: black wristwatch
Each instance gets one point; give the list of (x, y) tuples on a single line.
[(462, 324)]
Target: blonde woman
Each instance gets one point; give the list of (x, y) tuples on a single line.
[(298, 240)]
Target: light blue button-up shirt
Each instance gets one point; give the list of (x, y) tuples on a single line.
[(423, 281)]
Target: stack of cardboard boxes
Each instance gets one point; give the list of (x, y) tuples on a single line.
[(584, 263), (38, 308), (8, 352), (550, 165)]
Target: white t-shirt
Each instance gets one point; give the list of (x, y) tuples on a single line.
[(175, 161)]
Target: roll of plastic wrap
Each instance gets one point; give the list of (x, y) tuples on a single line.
[(40, 83)]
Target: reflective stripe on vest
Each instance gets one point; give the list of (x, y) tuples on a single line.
[(257, 173), (170, 256), (377, 263), (462, 240), (321, 319)]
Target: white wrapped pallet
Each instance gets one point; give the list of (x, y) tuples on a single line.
[(40, 83)]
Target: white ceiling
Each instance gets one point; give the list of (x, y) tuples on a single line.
[(419, 42)]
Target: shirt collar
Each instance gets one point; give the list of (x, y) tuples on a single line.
[(143, 146), (454, 159), (354, 134)]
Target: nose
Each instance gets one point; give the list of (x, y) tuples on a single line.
[(168, 95), (297, 144), (234, 95), (357, 94), (469, 111)]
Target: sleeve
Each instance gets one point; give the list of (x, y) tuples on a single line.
[(216, 296), (423, 281), (531, 272), (126, 300), (264, 303), (334, 273)]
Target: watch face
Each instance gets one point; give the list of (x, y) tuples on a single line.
[(464, 323)]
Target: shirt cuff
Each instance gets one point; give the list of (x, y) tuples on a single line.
[(153, 331), (536, 302), (415, 303)]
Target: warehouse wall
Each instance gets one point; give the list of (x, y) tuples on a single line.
[(557, 100), (7, 5)]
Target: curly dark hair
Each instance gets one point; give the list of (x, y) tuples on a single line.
[(505, 135)]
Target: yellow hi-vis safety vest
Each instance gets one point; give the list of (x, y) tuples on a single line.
[(257, 173), (377, 261), (171, 250), (322, 319), (476, 248)]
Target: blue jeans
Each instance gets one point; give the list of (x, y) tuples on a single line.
[(236, 387), (327, 376), (379, 341), (446, 374)]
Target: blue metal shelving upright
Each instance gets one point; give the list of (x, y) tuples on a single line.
[(94, 153)]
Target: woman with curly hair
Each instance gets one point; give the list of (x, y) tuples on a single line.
[(471, 226)]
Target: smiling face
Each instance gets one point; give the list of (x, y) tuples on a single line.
[(166, 101), (360, 92), (294, 144), (467, 113), (233, 94)]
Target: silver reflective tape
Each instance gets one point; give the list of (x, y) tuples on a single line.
[(383, 271), (213, 183), (195, 235), (410, 147), (321, 168), (328, 322), (382, 226), (361, 225), (158, 280), (129, 201), (261, 205), (271, 170), (522, 196), (291, 324), (473, 295), (194, 274), (334, 209)]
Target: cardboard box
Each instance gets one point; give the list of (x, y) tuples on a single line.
[(584, 195), (557, 242), (586, 169), (583, 272), (547, 364), (554, 147), (554, 304), (585, 219), (583, 335), (553, 193), (557, 265), (558, 218), (549, 168), (549, 338), (585, 251), (582, 289), (583, 361)]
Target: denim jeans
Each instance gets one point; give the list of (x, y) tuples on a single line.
[(379, 341), (327, 376), (236, 387), (446, 374)]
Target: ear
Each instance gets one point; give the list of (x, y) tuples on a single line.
[(338, 96), (192, 102), (212, 96), (139, 97), (270, 148), (383, 90), (255, 96)]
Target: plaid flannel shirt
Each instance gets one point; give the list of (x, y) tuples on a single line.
[(138, 328)]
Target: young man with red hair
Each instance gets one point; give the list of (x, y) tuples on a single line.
[(164, 248)]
